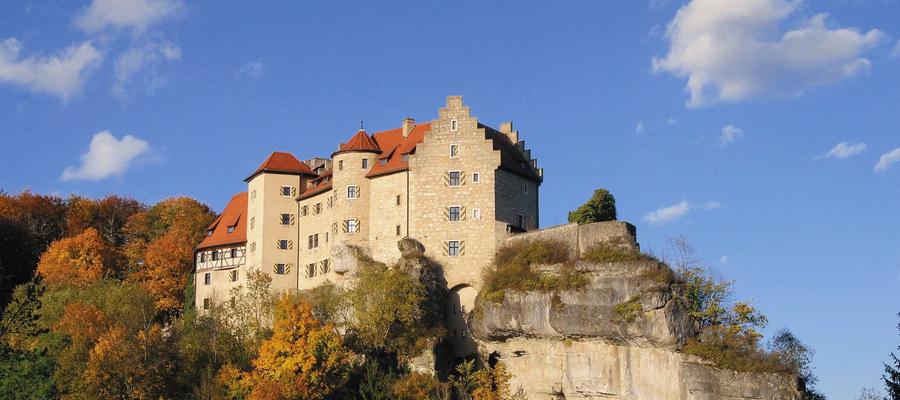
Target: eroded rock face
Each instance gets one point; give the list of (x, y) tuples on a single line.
[(590, 312), (578, 344)]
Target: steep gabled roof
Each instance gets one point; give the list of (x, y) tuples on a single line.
[(394, 146), (233, 216), (281, 162), (359, 142)]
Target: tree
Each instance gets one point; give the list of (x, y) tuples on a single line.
[(124, 366), (797, 356), (107, 215), (304, 359), (489, 383), (21, 315), (599, 208), (891, 375), (25, 375), (77, 261), (419, 386)]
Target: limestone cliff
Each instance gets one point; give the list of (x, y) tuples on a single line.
[(616, 338)]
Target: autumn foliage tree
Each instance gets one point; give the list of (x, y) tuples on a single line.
[(78, 260), (107, 215), (304, 359)]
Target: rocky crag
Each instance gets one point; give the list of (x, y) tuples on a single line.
[(616, 338)]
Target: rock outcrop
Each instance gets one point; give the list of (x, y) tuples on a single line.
[(616, 338)]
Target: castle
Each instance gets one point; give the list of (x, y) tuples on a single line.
[(455, 185)]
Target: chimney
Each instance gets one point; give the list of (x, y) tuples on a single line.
[(408, 125)]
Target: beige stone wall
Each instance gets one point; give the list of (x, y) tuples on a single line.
[(387, 214), (311, 224), (516, 196), (430, 195), (580, 238), (220, 282), (265, 205), (352, 173)]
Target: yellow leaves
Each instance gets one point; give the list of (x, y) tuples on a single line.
[(77, 261), (123, 365), (82, 320)]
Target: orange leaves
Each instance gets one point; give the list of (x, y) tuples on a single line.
[(304, 359), (82, 320), (129, 366), (77, 261)]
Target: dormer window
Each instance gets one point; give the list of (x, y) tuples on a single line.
[(383, 161), (231, 229), (209, 232), (405, 157)]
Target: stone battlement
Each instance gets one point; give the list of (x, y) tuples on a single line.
[(579, 238)]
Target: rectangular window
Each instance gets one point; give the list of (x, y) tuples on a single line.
[(453, 125), (317, 208), (453, 213), (233, 253), (283, 244), (252, 246), (286, 218), (207, 302), (454, 178), (230, 229), (326, 237), (287, 191), (398, 199), (313, 241), (352, 225), (334, 228), (454, 150), (352, 192), (476, 213), (383, 161), (326, 266), (340, 165), (253, 195), (310, 270), (252, 222), (202, 257), (405, 157), (398, 230), (280, 269), (233, 276), (214, 255), (521, 221), (453, 248), (525, 188), (476, 177), (365, 163), (304, 211), (207, 278)]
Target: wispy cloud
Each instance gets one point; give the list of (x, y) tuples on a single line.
[(107, 156), (728, 53), (895, 53), (62, 74), (729, 134), (251, 70), (137, 15), (639, 128), (887, 160), (670, 213), (844, 150), (723, 259)]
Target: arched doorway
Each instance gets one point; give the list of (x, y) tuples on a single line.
[(460, 302)]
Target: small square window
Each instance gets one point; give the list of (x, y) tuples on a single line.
[(207, 278), (352, 226), (476, 177), (286, 218), (383, 161), (283, 244), (286, 191), (230, 229), (352, 192), (476, 213), (454, 150), (405, 157), (365, 163), (454, 213), (453, 248), (454, 178), (281, 269)]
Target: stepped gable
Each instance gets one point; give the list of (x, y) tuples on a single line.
[(233, 216), (511, 157)]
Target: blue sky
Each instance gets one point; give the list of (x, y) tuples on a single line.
[(718, 120)]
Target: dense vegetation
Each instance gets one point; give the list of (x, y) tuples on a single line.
[(599, 208), (98, 302)]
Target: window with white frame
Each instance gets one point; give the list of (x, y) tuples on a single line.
[(476, 177), (454, 151), (453, 213), (454, 248), (287, 191), (286, 218), (353, 192), (476, 213), (281, 269), (351, 225), (453, 125), (454, 178), (313, 241), (283, 244)]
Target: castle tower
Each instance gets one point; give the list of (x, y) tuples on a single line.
[(351, 187), (272, 223)]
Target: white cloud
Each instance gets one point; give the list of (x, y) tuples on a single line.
[(252, 70), (844, 150), (120, 14), (729, 134), (887, 160), (140, 67), (668, 214), (895, 53), (723, 259), (671, 121), (62, 74), (106, 157), (732, 51), (639, 128)]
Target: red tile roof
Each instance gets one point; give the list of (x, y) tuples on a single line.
[(394, 147), (359, 142), (233, 216), (284, 163)]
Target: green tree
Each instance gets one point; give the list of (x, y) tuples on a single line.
[(25, 375), (599, 208), (798, 356), (891, 375)]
